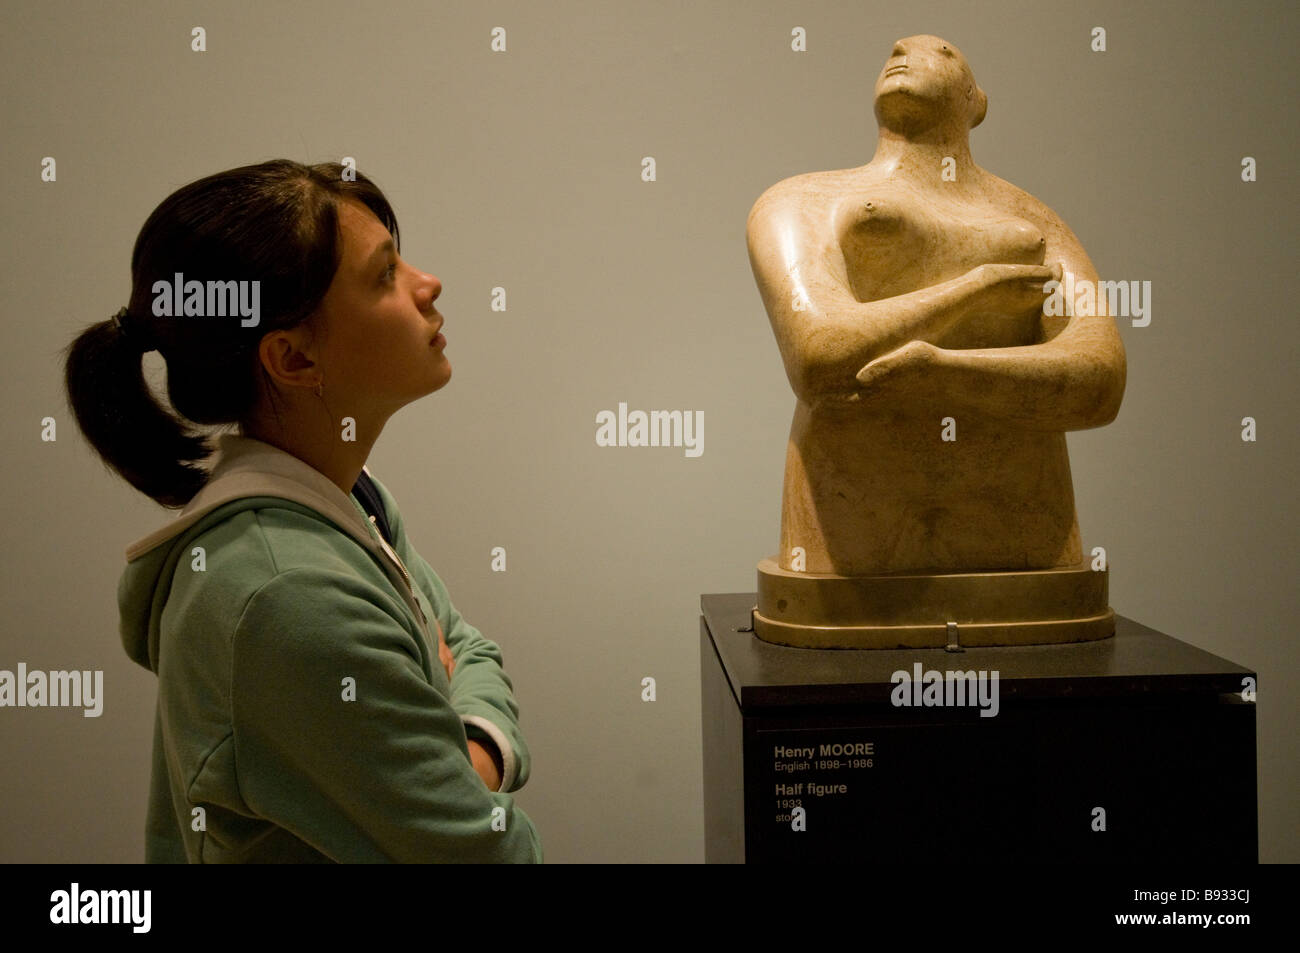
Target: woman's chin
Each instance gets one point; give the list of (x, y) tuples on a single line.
[(443, 377)]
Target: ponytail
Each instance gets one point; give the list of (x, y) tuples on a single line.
[(107, 393)]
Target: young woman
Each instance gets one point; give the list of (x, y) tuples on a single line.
[(319, 697)]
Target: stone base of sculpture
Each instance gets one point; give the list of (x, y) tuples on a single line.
[(940, 610)]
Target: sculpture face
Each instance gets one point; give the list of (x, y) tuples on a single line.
[(924, 80)]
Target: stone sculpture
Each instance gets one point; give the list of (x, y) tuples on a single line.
[(927, 497)]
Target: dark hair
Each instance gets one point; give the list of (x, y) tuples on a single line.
[(277, 223)]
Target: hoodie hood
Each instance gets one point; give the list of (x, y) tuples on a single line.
[(248, 474)]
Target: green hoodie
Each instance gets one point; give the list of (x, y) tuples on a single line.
[(303, 713)]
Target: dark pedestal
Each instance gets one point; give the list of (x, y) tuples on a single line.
[(1151, 731)]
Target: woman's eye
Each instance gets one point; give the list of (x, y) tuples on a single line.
[(390, 271)]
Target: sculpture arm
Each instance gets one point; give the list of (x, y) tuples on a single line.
[(825, 335), (1073, 380)]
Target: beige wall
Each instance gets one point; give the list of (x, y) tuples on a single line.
[(523, 170)]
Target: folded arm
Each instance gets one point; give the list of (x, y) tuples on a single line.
[(824, 333), (341, 739), (1073, 380), (480, 689), (839, 351)]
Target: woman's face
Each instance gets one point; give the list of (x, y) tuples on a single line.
[(382, 347)]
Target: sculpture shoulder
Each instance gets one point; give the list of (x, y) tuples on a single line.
[(809, 192)]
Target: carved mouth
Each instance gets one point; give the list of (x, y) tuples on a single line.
[(895, 69)]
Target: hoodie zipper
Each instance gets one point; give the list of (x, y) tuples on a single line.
[(392, 554)]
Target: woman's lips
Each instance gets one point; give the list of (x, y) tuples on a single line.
[(439, 341)]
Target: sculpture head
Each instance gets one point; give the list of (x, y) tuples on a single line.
[(926, 82)]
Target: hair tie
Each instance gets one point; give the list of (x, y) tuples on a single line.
[(133, 332)]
